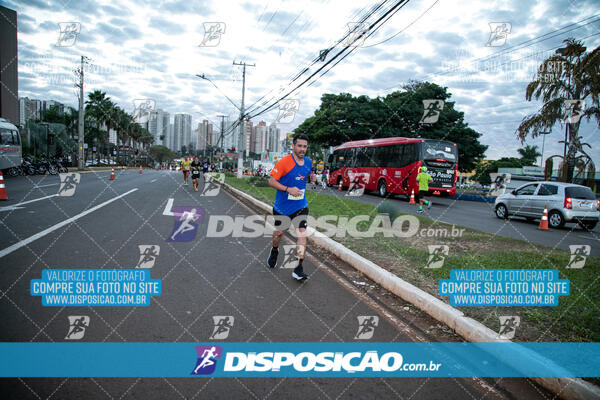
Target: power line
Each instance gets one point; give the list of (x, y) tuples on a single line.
[(372, 28), (317, 59)]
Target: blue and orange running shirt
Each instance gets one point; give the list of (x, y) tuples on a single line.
[(289, 173)]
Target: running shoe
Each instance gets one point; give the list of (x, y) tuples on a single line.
[(429, 204), (272, 260), (299, 274)]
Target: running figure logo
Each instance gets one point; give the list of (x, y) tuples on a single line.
[(573, 111), (499, 181), (207, 359), (212, 34), (142, 109), (290, 256), (508, 326), (211, 188), (186, 226), (431, 111), (499, 33), (77, 326), (287, 111), (68, 184), (148, 254), (437, 255), (366, 326), (358, 182), (579, 253), (68, 32), (223, 324), (357, 34)]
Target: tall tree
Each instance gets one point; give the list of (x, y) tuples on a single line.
[(571, 74), (341, 118)]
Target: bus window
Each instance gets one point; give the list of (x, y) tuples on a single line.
[(439, 150), (7, 137)]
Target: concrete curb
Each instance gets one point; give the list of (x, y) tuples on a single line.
[(468, 328)]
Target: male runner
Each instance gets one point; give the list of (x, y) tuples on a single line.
[(195, 168), (289, 177), (423, 179), (185, 168)]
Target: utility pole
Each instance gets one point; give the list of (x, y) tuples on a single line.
[(240, 152), (80, 138), (222, 138)]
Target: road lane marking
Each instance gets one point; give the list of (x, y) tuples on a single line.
[(34, 200), (43, 233), (167, 210), (52, 184), (153, 180), (588, 237)]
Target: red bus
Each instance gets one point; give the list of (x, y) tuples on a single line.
[(390, 165)]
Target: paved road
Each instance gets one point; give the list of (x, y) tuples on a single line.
[(478, 215), (202, 278)]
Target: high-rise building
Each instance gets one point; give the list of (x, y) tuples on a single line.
[(182, 131), (29, 109), (46, 104), (259, 142), (170, 140), (205, 135), (9, 84), (158, 126), (274, 141)]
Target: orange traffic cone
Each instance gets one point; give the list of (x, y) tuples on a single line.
[(340, 186), (3, 195), (412, 197), (140, 169), (544, 222), (112, 174)]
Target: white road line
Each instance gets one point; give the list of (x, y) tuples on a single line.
[(52, 184), (588, 237), (43, 233), (167, 210), (153, 180), (34, 200)]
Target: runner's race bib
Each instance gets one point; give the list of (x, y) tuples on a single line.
[(299, 197)]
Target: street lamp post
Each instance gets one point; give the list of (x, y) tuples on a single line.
[(543, 143)]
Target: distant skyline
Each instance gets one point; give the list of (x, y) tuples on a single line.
[(153, 51)]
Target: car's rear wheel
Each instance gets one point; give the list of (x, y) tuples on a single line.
[(501, 211), (556, 220), (588, 225)]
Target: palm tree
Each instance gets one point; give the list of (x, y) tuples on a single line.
[(571, 74), (529, 154)]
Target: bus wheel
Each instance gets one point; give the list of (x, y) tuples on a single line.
[(382, 188)]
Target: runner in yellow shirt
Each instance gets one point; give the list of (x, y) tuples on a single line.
[(423, 179), (185, 168)]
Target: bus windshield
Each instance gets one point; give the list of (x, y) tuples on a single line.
[(440, 150)]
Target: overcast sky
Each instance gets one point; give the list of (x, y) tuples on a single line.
[(143, 49)]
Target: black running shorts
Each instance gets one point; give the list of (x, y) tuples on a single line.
[(298, 217)]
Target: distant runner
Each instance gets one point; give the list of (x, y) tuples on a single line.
[(423, 178), (195, 168), (289, 177), (185, 168)]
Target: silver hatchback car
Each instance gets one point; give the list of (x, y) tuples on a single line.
[(566, 202)]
